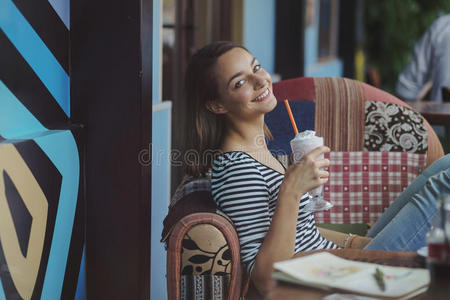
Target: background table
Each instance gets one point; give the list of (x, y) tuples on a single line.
[(436, 114)]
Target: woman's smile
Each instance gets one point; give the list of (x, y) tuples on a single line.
[(263, 96)]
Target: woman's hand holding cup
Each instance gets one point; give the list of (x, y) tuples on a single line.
[(307, 174)]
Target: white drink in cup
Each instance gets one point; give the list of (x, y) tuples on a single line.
[(302, 144)]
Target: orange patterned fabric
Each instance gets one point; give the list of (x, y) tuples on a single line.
[(340, 105)]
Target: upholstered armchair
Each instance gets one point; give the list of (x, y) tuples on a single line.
[(356, 121)]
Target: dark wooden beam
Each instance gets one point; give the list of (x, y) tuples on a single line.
[(111, 88), (289, 42), (347, 36)]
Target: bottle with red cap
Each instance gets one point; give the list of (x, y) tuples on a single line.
[(438, 241)]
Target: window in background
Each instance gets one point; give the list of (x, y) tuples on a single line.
[(321, 56), (328, 29)]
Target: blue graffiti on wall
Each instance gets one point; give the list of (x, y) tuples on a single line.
[(38, 163)]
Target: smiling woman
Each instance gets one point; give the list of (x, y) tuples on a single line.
[(230, 93), (206, 82)]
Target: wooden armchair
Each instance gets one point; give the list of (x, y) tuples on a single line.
[(203, 257)]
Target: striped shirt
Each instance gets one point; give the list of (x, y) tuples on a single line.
[(247, 192)]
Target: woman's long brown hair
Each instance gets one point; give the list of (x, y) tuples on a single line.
[(205, 130)]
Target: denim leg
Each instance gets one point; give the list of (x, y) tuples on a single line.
[(439, 165), (407, 230)]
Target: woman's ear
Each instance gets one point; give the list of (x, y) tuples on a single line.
[(215, 107)]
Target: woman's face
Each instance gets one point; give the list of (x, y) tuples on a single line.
[(245, 88)]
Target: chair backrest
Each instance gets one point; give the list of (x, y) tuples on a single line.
[(203, 252), (203, 259), (351, 116)]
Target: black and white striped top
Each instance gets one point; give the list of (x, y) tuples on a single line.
[(247, 192)]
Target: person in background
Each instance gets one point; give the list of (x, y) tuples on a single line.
[(430, 64)]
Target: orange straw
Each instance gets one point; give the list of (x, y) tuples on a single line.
[(288, 108)]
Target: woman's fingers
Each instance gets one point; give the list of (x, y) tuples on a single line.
[(318, 152), (323, 181), (323, 163), (323, 174)]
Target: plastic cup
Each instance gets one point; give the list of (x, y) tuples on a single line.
[(301, 145)]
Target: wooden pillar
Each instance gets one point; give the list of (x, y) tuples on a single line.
[(111, 88)]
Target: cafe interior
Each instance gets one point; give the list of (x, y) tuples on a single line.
[(94, 202)]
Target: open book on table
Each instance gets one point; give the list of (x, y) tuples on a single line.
[(327, 271)]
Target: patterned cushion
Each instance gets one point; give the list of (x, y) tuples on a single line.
[(392, 127), (205, 252), (204, 287), (205, 264), (363, 184)]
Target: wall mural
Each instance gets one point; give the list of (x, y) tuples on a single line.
[(41, 204)]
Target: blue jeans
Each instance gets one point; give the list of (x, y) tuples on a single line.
[(403, 226)]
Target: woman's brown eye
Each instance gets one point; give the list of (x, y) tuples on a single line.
[(239, 84), (256, 68)]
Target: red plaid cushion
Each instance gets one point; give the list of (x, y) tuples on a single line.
[(362, 185)]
